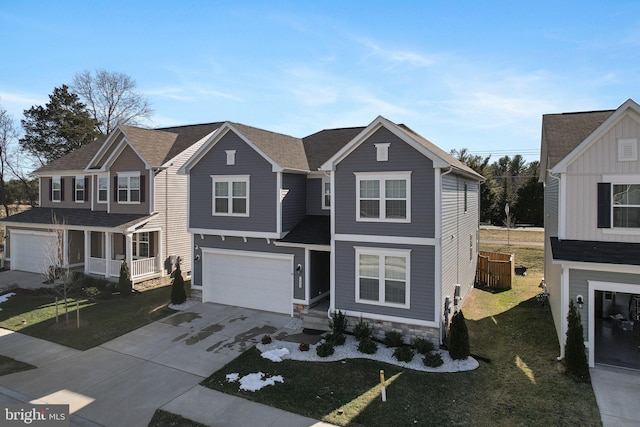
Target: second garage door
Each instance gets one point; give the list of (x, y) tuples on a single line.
[(260, 281), (32, 251)]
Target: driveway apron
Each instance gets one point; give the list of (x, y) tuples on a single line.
[(618, 395)]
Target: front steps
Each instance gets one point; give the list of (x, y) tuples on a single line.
[(315, 319)]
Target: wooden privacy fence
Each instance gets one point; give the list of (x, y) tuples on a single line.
[(495, 270)]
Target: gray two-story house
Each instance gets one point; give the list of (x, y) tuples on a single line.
[(118, 198), (375, 220), (591, 171)]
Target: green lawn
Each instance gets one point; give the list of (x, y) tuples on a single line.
[(33, 313), (519, 387)]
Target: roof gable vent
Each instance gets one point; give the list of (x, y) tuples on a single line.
[(627, 149)]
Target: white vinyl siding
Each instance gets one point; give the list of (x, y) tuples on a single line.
[(230, 195), (383, 197), (382, 276)]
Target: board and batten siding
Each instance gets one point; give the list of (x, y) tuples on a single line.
[(129, 161), (552, 272), (402, 158), (422, 278), (459, 235), (584, 174), (314, 197), (251, 245), (294, 201), (263, 191)]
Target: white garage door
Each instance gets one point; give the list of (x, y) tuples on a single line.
[(260, 281), (32, 252)]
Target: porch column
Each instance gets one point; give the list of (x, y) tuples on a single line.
[(307, 275), (128, 252), (87, 250), (65, 247), (107, 252)]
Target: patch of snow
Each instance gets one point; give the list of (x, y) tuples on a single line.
[(184, 306), (255, 381), (5, 297), (232, 378), (350, 351), (276, 355)]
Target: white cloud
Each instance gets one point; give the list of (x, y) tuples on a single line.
[(16, 103), (396, 56)]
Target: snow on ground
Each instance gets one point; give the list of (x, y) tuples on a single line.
[(350, 351), (184, 306), (255, 381), (276, 355), (5, 297)]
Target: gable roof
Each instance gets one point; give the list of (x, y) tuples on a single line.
[(321, 146), (76, 160)]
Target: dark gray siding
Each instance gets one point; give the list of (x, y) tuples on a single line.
[(251, 245), (422, 284), (263, 192), (293, 204), (320, 273), (314, 197), (402, 157)]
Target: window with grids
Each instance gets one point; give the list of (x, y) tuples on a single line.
[(103, 186), (231, 195), (128, 188), (626, 205), (140, 245), (384, 197), (56, 189), (326, 193), (382, 277), (79, 190)]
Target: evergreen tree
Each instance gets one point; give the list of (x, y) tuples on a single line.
[(124, 282), (61, 126), (459, 337), (574, 351), (178, 294)]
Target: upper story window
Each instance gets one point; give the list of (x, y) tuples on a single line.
[(382, 276), (129, 187), (383, 196), (326, 193), (56, 189), (230, 195), (626, 205), (103, 188), (79, 189)]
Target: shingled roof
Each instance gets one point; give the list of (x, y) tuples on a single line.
[(76, 160), (320, 146), (77, 217), (595, 252)]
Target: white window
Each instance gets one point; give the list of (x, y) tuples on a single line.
[(103, 189), (129, 187), (384, 196), (79, 190), (140, 243), (231, 157), (56, 189), (230, 195), (382, 276), (326, 193), (626, 205)]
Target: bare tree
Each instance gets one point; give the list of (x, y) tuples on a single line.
[(7, 139), (55, 270), (111, 98)]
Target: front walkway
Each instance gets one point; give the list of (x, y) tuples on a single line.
[(123, 381), (617, 392)]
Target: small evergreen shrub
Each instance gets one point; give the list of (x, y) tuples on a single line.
[(367, 346), (338, 322), (266, 339), (393, 339), (403, 353), (432, 360), (303, 346), (91, 292), (575, 357), (335, 338), (124, 281), (459, 337), (362, 330), (325, 349), (178, 294), (422, 345)]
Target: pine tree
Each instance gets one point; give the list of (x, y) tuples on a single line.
[(459, 337), (124, 282), (574, 351), (178, 294)]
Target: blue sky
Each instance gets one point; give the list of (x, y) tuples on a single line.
[(472, 74)]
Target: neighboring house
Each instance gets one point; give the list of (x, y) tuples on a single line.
[(117, 198), (377, 221), (591, 171)]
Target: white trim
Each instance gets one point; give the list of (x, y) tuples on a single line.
[(382, 151), (382, 178), (53, 180), (332, 253), (307, 275), (562, 207), (97, 198), (592, 266), (630, 143), (31, 232), (236, 233), (311, 247), (382, 253), (621, 179), (79, 178), (230, 180), (279, 199), (594, 286), (398, 240), (325, 180), (29, 225), (128, 175), (564, 307), (231, 157), (396, 319)]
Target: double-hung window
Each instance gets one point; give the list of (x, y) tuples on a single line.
[(230, 195), (103, 188), (383, 196), (626, 205), (382, 276), (129, 187), (79, 190), (326, 193), (140, 243), (56, 189)]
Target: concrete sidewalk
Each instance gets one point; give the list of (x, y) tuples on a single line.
[(124, 381)]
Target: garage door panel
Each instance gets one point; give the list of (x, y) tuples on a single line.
[(32, 252), (259, 282)]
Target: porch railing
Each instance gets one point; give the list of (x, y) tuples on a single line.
[(114, 267), (97, 265), (142, 267), (139, 267)]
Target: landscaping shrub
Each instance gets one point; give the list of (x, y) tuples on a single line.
[(303, 346), (91, 292), (325, 349), (362, 330), (393, 339), (335, 338), (403, 353), (124, 282), (459, 337), (266, 339), (574, 351), (422, 345), (178, 294), (338, 322), (367, 346), (432, 360)]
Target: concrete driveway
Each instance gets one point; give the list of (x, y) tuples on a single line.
[(617, 392), (20, 279), (124, 381)]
